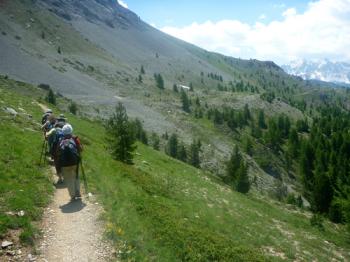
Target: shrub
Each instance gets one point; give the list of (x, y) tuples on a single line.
[(317, 221), (73, 108)]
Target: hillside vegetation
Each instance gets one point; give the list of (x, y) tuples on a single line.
[(159, 208), (98, 58)]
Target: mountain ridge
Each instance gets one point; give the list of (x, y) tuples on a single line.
[(324, 70)]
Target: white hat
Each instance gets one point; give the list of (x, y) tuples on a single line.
[(48, 111), (67, 129)]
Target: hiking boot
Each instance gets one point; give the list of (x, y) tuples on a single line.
[(78, 195)]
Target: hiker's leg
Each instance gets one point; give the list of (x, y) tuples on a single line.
[(58, 169), (77, 187), (69, 174)]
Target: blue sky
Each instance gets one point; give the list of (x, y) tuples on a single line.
[(281, 31), (183, 12)]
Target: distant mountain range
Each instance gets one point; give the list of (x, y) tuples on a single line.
[(324, 70)]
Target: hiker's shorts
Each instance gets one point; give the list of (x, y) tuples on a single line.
[(71, 179)]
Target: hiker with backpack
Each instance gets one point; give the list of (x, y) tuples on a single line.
[(45, 116), (47, 126), (69, 150), (55, 135)]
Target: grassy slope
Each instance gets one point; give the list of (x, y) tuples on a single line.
[(160, 208), (23, 185)]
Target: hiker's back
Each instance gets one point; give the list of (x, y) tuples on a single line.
[(68, 152)]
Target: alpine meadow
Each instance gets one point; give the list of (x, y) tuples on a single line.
[(120, 142)]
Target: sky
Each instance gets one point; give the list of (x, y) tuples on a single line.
[(277, 30)]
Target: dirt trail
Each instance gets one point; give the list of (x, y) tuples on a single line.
[(72, 230)]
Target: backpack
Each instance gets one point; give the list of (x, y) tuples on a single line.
[(68, 152), (57, 139)]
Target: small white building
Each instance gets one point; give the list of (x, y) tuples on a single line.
[(184, 87)]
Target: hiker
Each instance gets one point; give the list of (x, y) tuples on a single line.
[(55, 135), (45, 116), (46, 127), (69, 151), (62, 120)]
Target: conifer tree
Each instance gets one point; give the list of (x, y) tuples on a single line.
[(159, 81), (51, 98), (155, 141), (194, 159), (172, 146), (175, 89), (233, 165), (182, 153), (142, 70), (185, 102), (120, 135), (242, 184), (261, 119), (73, 108)]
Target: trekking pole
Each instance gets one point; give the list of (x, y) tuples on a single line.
[(84, 177), (42, 151)]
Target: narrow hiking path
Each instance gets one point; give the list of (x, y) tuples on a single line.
[(72, 230)]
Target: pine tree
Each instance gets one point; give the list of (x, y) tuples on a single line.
[(248, 146), (120, 135), (182, 153), (51, 98), (172, 146), (322, 192), (73, 108), (306, 167), (233, 165), (261, 119), (59, 50), (175, 89), (155, 141), (159, 81), (191, 87), (142, 70), (242, 184), (293, 143), (194, 159), (185, 102), (246, 113)]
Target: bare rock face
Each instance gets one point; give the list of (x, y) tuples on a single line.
[(108, 12)]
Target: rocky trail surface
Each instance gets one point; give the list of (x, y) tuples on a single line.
[(72, 230)]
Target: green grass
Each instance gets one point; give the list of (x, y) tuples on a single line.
[(160, 209), (23, 184)]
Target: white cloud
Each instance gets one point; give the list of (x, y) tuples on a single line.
[(262, 17), (289, 12), (123, 4), (323, 30)]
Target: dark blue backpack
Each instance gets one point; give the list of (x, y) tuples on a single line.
[(68, 152)]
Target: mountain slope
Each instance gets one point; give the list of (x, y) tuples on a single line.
[(92, 52), (163, 209)]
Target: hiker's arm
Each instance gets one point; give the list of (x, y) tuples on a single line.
[(50, 133), (43, 127)]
